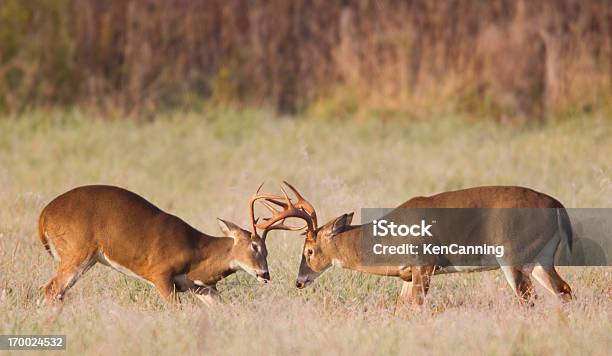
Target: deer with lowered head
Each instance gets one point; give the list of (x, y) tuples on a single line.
[(338, 243), (124, 231)]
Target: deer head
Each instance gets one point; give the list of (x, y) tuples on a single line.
[(316, 257)]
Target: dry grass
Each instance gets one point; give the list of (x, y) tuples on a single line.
[(203, 167)]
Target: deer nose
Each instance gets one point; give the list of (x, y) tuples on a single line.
[(299, 284), (265, 275)]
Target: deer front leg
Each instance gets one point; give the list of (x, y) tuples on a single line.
[(209, 295), (166, 288), (421, 278), (405, 274), (404, 295)]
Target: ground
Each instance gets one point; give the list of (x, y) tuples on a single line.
[(203, 166)]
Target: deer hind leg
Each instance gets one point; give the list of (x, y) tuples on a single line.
[(520, 283), (68, 272), (548, 277), (421, 278)]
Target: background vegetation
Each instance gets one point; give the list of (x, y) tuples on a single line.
[(202, 167), (502, 59)]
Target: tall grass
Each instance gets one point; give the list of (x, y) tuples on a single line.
[(200, 168), (498, 59)]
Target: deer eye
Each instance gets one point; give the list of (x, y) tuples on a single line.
[(309, 252), (254, 247)]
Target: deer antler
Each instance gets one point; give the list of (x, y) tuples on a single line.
[(277, 215), (302, 209), (303, 204)]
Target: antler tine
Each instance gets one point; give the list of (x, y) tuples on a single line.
[(286, 196), (278, 202), (270, 207), (295, 191), (254, 198), (252, 209), (259, 188), (303, 203)]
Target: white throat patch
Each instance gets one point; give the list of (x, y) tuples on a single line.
[(337, 263)]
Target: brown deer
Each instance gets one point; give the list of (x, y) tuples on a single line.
[(120, 229), (338, 243)]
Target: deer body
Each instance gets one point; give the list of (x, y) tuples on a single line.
[(122, 230), (338, 243)]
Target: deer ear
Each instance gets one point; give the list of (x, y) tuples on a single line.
[(229, 229), (341, 223), (349, 218)]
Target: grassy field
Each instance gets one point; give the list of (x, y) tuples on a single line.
[(204, 166)]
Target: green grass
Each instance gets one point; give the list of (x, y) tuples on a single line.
[(204, 166)]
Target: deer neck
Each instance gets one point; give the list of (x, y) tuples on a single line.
[(345, 251), (213, 260)]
